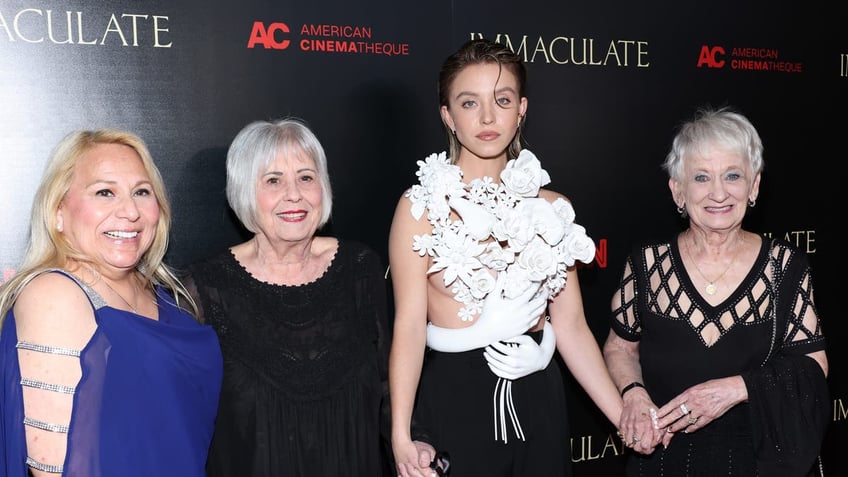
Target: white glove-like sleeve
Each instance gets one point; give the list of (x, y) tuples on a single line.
[(500, 319), (520, 356)]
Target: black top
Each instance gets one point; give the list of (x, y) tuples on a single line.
[(761, 320), (305, 367)]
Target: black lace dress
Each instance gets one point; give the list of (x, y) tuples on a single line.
[(763, 337), (305, 368)]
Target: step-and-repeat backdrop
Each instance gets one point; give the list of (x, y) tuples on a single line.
[(608, 83)]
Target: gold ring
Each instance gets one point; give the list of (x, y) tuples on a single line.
[(693, 420)]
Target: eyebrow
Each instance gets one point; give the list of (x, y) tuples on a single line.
[(503, 89), (114, 182), (279, 173)]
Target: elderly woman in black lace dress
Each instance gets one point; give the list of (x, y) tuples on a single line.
[(715, 344), (302, 320)]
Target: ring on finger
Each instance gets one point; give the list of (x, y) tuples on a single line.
[(634, 439), (693, 420), (684, 409)]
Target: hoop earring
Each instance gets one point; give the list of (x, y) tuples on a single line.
[(681, 210), (752, 202)]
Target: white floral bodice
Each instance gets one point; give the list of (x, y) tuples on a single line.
[(503, 227)]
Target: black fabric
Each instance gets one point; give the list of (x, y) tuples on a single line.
[(789, 405), (662, 310), (457, 403), (305, 368)]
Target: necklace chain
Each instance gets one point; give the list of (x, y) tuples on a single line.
[(711, 284), (134, 309)]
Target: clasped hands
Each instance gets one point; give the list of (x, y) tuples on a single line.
[(643, 425), (500, 329)]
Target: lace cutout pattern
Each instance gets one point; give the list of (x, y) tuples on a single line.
[(669, 294), (803, 324)]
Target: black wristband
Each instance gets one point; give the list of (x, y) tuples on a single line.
[(634, 384)]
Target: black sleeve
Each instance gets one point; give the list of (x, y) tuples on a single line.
[(789, 403)]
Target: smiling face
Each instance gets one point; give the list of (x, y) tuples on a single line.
[(716, 187), (484, 109), (110, 212), (289, 198)]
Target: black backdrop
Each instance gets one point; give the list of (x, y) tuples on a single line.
[(608, 83)]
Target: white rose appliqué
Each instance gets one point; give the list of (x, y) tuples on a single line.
[(503, 227)]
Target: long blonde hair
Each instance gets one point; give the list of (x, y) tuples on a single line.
[(50, 249)]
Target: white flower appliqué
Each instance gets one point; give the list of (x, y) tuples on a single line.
[(502, 227)]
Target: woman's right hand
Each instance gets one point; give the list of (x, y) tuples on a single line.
[(413, 459), (503, 318), (638, 422)]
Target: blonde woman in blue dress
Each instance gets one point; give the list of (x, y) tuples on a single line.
[(105, 369)]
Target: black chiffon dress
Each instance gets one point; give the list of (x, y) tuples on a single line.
[(305, 368), (763, 338)]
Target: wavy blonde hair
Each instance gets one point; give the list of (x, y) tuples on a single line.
[(50, 249)]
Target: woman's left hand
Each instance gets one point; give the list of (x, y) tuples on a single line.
[(699, 405), (520, 356)]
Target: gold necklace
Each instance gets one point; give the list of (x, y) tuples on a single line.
[(711, 284), (134, 309)]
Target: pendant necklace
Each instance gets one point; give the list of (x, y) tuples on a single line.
[(711, 287), (120, 296)]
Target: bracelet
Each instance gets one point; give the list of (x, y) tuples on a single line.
[(634, 384)]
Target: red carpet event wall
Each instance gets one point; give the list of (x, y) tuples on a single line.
[(608, 84)]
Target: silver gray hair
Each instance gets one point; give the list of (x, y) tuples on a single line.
[(255, 147), (723, 128)]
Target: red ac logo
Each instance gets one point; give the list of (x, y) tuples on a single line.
[(712, 57), (265, 36)]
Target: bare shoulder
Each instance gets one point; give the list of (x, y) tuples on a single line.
[(60, 288), (551, 195), (408, 219), (50, 306)]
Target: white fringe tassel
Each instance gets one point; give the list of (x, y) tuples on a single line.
[(503, 406)]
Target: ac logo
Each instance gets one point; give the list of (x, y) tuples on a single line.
[(713, 57), (267, 36)]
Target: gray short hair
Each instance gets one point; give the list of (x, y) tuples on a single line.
[(722, 127), (254, 148)]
